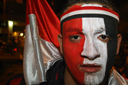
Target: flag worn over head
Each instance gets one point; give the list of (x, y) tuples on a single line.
[(41, 44)]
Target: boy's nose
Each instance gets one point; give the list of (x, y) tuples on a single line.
[(89, 50)]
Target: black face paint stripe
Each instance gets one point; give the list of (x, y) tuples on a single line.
[(111, 29), (88, 16)]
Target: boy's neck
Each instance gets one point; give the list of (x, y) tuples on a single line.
[(68, 79)]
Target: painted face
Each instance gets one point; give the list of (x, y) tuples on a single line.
[(85, 48)]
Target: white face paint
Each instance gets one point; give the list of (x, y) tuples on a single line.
[(95, 49)]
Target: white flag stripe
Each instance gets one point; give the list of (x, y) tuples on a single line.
[(50, 53), (29, 63), (37, 48)]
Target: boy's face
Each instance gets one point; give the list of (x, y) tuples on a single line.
[(86, 43)]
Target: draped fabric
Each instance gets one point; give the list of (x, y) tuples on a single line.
[(48, 22), (41, 44), (116, 79)]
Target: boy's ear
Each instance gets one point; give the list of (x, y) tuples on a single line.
[(60, 42), (119, 39)]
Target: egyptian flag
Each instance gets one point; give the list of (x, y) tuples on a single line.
[(41, 44)]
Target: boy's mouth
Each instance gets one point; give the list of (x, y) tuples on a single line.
[(90, 68)]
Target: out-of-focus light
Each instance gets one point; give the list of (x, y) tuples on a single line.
[(15, 49), (10, 27), (10, 24), (15, 34), (52, 3), (4, 43), (21, 34)]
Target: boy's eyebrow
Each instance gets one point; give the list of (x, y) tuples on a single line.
[(74, 29), (100, 30)]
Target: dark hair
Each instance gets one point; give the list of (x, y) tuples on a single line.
[(105, 3)]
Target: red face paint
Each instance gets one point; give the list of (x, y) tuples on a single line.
[(73, 41)]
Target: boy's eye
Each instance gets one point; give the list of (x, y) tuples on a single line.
[(75, 38), (104, 38)]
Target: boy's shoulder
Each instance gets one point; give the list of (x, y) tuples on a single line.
[(55, 75)]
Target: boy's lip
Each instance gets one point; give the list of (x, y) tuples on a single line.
[(90, 68)]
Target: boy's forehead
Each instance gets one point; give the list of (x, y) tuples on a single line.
[(73, 23), (81, 24)]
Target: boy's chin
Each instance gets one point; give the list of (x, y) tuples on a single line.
[(93, 79)]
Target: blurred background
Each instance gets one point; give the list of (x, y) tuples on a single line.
[(12, 29)]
